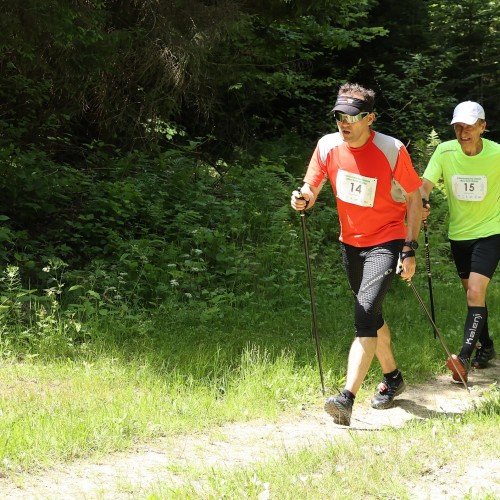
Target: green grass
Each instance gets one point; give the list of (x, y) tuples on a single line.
[(171, 373), (65, 410), (379, 465)]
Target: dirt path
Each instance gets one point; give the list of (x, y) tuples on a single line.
[(240, 444)]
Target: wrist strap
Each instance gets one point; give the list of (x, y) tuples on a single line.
[(404, 255)]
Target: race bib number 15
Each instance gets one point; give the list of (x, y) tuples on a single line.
[(356, 189), (469, 188)]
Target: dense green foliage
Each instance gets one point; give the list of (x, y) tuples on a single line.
[(148, 149)]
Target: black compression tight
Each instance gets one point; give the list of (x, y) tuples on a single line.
[(370, 272)]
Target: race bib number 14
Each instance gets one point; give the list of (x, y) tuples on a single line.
[(469, 188), (356, 189)]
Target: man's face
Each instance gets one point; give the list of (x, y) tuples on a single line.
[(356, 134), (469, 136)]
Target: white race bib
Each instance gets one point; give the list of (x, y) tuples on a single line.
[(469, 187), (356, 189)]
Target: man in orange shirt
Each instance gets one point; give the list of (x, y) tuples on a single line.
[(376, 189)]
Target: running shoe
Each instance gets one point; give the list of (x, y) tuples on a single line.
[(462, 365), (387, 390), (483, 355), (340, 408)]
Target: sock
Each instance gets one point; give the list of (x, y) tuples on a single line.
[(474, 323), (394, 374), (349, 395), (484, 337)]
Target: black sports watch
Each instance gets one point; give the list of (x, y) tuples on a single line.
[(413, 244)]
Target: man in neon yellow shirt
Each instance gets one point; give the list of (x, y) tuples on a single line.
[(470, 168)]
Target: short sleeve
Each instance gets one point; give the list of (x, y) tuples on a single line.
[(316, 171)]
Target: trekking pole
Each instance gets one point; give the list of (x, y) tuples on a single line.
[(311, 293), (428, 266), (436, 331)]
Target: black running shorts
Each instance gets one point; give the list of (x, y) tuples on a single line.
[(370, 271), (477, 256)]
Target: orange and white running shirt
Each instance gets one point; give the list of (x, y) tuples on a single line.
[(369, 184)]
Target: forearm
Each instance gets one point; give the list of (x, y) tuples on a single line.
[(426, 188), (413, 215)]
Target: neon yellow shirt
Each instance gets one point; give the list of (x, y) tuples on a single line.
[(472, 185)]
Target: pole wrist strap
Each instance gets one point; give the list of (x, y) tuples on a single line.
[(404, 255)]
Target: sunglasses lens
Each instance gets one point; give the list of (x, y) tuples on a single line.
[(342, 117)]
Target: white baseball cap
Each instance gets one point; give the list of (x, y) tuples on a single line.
[(468, 112)]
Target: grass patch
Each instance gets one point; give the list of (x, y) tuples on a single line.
[(356, 465), (171, 372)]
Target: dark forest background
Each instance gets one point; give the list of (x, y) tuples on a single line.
[(148, 148)]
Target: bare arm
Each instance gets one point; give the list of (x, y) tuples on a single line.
[(413, 221), (413, 215), (425, 191), (426, 188)]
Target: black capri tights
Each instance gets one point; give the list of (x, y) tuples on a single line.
[(370, 271)]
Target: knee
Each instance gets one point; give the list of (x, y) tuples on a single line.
[(476, 296)]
